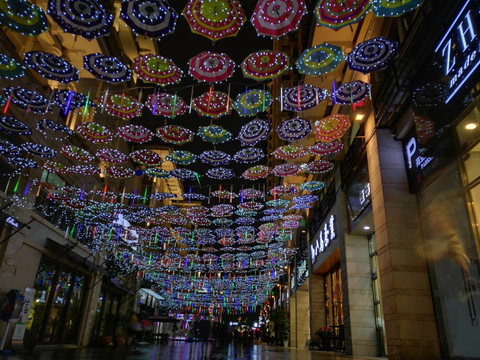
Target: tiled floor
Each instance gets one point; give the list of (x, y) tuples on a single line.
[(177, 351)]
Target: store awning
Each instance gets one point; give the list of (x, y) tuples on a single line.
[(152, 293)]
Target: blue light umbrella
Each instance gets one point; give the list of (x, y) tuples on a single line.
[(87, 18), (51, 66), (107, 68), (394, 7), (372, 55), (152, 18), (252, 102)]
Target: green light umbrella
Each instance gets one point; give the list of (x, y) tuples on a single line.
[(319, 60), (214, 134), (23, 17), (181, 157), (9, 68), (252, 102), (392, 8)]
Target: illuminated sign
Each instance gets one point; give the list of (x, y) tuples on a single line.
[(413, 159), (12, 221), (459, 49), (324, 238)]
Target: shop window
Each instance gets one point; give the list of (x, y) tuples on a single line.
[(57, 307)]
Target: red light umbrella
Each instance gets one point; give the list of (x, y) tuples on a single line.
[(336, 14), (134, 133), (286, 169), (277, 17), (157, 69), (95, 133), (214, 19), (174, 134), (331, 127), (324, 148), (257, 172), (214, 104), (265, 64), (120, 105), (166, 104), (289, 152), (111, 155), (146, 157), (211, 67)]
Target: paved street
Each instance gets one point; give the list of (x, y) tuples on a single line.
[(178, 351)]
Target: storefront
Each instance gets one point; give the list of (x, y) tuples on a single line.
[(442, 157), (56, 313)]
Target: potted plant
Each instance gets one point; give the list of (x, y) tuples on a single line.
[(325, 336), (120, 330), (281, 325)]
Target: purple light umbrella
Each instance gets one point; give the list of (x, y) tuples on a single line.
[(27, 99), (253, 132), (351, 92), (301, 97), (106, 68), (51, 67), (294, 129)]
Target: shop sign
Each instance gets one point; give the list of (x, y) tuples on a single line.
[(459, 49), (414, 160), (324, 238)]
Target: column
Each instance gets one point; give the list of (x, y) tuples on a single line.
[(407, 304)]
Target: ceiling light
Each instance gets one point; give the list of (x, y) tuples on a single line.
[(359, 116), (471, 126), (366, 227)]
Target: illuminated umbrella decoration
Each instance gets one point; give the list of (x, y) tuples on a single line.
[(254, 131), (9, 68), (157, 69), (23, 17), (120, 105), (305, 199), (284, 190), (312, 185), (39, 150), (158, 173), (294, 129), (215, 157), (27, 99), (214, 19), (220, 173), (265, 65), (12, 126), (319, 60), (166, 104), (325, 148), (7, 148), (331, 127), (351, 92), (56, 167), (51, 67), (214, 134), (211, 67), (76, 153), (84, 169), (275, 18), (184, 174), (249, 155), (134, 133), (277, 202), (289, 152), (250, 193), (336, 14), (111, 155), (70, 100), (95, 133), (107, 68), (175, 134), (318, 167), (394, 7), (87, 18), (286, 169), (257, 172), (181, 157), (21, 163), (214, 104), (151, 18), (372, 55), (146, 157), (252, 102), (119, 172), (302, 97)]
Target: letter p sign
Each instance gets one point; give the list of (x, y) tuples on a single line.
[(410, 149)]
